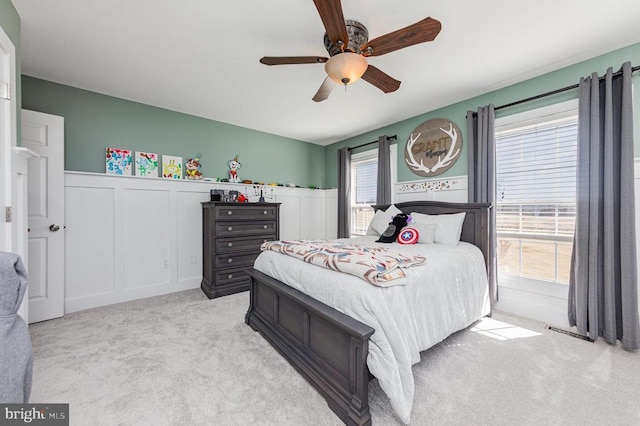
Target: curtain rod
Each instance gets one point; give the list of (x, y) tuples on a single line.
[(553, 92), (391, 138)]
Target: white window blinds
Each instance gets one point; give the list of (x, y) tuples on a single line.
[(364, 176), (536, 178)]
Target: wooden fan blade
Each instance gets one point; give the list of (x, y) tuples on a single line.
[(333, 20), (325, 90), (381, 80), (420, 32), (287, 60)]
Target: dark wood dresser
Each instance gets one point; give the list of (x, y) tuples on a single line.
[(231, 237)]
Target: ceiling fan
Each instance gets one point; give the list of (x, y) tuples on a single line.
[(348, 45)]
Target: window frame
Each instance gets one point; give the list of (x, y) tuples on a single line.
[(523, 119)]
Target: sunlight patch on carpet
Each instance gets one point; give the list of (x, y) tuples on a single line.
[(501, 330)]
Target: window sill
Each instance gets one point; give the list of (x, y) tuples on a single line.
[(529, 285)]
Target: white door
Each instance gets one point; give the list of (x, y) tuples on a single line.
[(44, 134)]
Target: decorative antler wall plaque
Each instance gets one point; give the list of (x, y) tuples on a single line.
[(433, 147)]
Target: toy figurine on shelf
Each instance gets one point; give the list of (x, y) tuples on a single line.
[(192, 167), (234, 165)]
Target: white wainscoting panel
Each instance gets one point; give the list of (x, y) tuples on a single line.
[(312, 217), (131, 237), (302, 212), (290, 217), (189, 248), (331, 213), (90, 258), (147, 235)]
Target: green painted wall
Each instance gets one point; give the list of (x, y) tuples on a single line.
[(10, 21), (94, 122), (10, 24), (457, 112)]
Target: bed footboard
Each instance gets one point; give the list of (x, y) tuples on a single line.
[(326, 346)]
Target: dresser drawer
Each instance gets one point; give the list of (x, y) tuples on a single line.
[(232, 245), (231, 229), (231, 275), (236, 261), (244, 212)]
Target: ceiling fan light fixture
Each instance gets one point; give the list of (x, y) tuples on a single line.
[(346, 68)]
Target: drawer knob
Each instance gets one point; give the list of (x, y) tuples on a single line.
[(230, 228), (230, 276), (264, 212), (229, 244), (229, 260), (229, 212), (265, 227)]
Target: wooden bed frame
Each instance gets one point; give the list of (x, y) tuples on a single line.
[(326, 346)]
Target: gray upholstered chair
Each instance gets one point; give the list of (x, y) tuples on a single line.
[(16, 354)]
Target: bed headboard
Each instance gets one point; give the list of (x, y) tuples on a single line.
[(475, 228)]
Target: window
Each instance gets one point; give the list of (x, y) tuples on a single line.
[(364, 185), (364, 172), (536, 193)]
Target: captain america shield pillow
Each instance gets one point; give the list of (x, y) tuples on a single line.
[(408, 236)]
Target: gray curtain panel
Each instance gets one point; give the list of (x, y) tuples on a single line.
[(344, 192), (481, 185), (383, 194), (603, 289)]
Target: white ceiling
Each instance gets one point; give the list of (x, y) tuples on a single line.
[(201, 57)]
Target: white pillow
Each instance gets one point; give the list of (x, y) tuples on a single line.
[(381, 220), (426, 232), (449, 226)]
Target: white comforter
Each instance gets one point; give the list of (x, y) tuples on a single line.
[(446, 294)]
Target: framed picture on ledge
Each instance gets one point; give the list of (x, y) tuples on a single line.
[(171, 167), (118, 161)]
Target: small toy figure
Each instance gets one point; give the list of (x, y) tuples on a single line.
[(234, 165), (192, 167), (398, 222)]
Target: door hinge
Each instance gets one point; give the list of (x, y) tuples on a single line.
[(8, 214), (5, 91)]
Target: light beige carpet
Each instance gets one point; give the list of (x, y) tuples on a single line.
[(182, 359)]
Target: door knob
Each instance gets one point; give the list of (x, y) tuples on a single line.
[(54, 228)]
